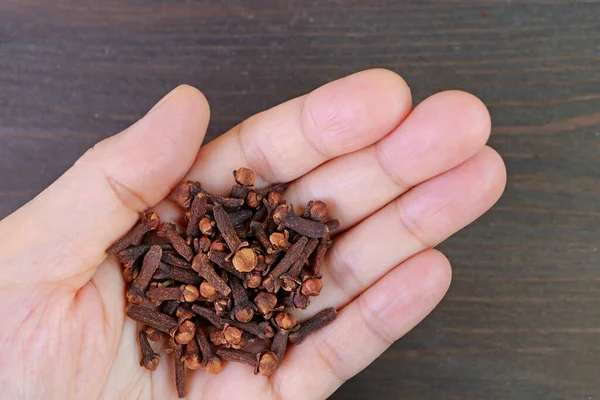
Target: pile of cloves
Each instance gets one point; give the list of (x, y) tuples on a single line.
[(224, 288)]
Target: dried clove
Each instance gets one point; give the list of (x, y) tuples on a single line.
[(268, 363), (318, 321), (153, 334), (148, 221), (315, 210), (191, 356), (220, 258), (284, 216), (324, 245), (136, 293), (185, 333), (245, 260), (285, 320), (153, 318), (210, 362), (172, 259), (130, 255), (265, 303), (243, 309), (150, 359), (312, 287), (232, 335), (198, 208), (186, 192), (262, 330), (169, 232), (239, 356), (226, 228), (273, 282), (289, 280), (179, 370), (203, 266), (179, 274)]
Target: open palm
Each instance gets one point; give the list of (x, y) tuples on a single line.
[(399, 180)]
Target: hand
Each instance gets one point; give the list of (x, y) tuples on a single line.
[(399, 180)]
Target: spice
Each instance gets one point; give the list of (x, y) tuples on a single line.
[(312, 287), (273, 283), (148, 221), (150, 359), (198, 208), (289, 280), (169, 232), (220, 258), (179, 371), (320, 320), (226, 228), (265, 303), (239, 356), (268, 363), (210, 362), (315, 210), (136, 293), (207, 290), (172, 259), (203, 266), (245, 260), (243, 309), (185, 332), (232, 335), (285, 217), (153, 334), (191, 356), (240, 261), (285, 320), (153, 318)]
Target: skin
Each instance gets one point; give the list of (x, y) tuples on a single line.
[(400, 181)]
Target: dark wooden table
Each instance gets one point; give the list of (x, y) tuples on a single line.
[(521, 320)]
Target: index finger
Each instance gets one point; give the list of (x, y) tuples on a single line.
[(291, 139)]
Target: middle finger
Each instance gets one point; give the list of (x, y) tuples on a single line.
[(442, 132)]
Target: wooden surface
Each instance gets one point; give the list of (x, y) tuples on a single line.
[(521, 320)]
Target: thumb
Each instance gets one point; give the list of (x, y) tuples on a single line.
[(64, 231)]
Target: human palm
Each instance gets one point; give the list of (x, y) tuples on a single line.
[(399, 180)]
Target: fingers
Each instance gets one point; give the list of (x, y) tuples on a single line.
[(364, 328), (291, 139), (418, 220), (442, 132), (68, 227)]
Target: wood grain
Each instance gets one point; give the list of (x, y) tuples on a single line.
[(521, 320)]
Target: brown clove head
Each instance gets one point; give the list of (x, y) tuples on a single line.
[(285, 320), (213, 366), (265, 302), (207, 226), (207, 290), (317, 210), (244, 176), (185, 332), (218, 338), (232, 335), (312, 287), (190, 293), (280, 240), (245, 260), (268, 363), (253, 199)]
